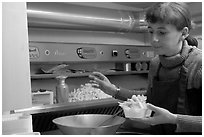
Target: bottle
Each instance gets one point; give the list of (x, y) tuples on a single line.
[(144, 66), (138, 66), (127, 66), (62, 90)]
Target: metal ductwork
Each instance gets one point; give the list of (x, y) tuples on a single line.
[(76, 17)]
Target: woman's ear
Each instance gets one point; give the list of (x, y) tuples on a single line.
[(185, 33)]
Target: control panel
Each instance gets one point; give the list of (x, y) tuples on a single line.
[(62, 52)]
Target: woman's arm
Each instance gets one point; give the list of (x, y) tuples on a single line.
[(194, 65), (124, 94), (102, 82), (186, 123)]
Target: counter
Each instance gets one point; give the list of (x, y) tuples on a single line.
[(42, 116), (71, 106)]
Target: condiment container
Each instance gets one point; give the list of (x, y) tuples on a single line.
[(62, 90)]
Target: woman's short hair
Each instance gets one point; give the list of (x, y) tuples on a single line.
[(173, 13)]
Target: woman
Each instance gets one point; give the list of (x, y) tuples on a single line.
[(175, 74)]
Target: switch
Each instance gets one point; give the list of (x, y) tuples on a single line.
[(114, 53)]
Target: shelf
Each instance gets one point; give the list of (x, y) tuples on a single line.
[(52, 76)]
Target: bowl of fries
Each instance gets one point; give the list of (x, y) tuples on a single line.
[(135, 107)]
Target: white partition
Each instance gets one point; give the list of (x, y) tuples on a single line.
[(16, 85)]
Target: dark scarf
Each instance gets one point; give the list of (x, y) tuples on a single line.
[(173, 61)]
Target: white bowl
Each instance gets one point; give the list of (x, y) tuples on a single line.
[(134, 113)]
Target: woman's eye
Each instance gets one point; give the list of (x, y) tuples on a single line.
[(150, 31), (161, 33)]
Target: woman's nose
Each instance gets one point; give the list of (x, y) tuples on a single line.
[(154, 38)]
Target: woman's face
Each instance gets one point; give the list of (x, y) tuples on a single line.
[(165, 39)]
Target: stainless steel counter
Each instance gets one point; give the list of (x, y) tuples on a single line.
[(69, 106), (120, 131), (43, 115)]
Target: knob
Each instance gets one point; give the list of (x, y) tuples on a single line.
[(127, 53)]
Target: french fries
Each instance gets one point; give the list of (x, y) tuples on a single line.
[(135, 107), (87, 92)]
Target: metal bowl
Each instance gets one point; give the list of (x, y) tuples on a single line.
[(87, 124)]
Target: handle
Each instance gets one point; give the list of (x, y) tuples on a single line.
[(110, 118)]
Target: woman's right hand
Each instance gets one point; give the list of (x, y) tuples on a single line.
[(102, 82), (161, 116)]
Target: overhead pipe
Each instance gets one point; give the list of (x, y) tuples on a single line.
[(75, 17)]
